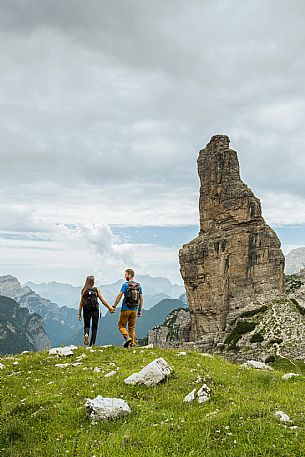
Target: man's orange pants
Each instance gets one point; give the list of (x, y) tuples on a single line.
[(128, 317)]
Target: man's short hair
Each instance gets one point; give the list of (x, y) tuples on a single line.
[(130, 272)]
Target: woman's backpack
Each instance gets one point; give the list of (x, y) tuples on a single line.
[(132, 294), (90, 298)]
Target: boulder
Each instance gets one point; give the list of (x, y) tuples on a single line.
[(282, 416), (155, 372), (289, 376), (204, 394), (103, 409), (257, 365), (190, 397), (63, 351)]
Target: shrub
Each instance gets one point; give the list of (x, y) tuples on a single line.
[(257, 338), (236, 334)]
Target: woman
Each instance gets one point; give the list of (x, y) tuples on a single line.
[(89, 305)]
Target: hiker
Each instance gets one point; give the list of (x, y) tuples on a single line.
[(90, 306), (131, 307)]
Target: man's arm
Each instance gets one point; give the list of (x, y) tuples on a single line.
[(117, 300), (140, 305)]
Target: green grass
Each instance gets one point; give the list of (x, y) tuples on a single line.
[(43, 408)]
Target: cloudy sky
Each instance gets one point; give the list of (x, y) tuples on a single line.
[(104, 106)]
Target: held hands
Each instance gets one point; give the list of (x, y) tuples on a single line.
[(111, 310)]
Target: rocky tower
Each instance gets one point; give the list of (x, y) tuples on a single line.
[(236, 261)]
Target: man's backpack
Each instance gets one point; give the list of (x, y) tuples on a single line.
[(90, 298), (132, 295)]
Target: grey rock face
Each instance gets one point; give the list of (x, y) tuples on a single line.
[(236, 262), (174, 331)]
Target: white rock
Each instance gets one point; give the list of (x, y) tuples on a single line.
[(152, 374), (289, 376), (76, 364), (15, 363), (80, 357), (148, 346), (282, 416), (106, 346), (111, 373), (204, 394), (63, 351), (256, 364), (25, 352), (189, 397), (102, 409), (62, 365), (181, 353), (96, 370), (2, 366), (206, 354)]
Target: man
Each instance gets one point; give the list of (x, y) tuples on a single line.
[(131, 307)]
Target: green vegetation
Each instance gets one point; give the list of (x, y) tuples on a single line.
[(239, 330), (43, 408), (298, 306), (257, 338), (254, 312)]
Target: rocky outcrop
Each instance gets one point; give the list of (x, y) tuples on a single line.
[(20, 330), (235, 264), (174, 331)]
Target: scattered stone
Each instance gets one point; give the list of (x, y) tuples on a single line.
[(96, 370), (62, 365), (76, 364), (153, 373), (15, 363), (190, 397), (106, 346), (63, 351), (206, 354), (111, 373), (257, 365), (181, 353), (148, 346), (25, 352), (103, 409), (80, 357), (289, 376), (2, 366), (282, 416), (204, 394)]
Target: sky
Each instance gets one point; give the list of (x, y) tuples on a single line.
[(104, 106)]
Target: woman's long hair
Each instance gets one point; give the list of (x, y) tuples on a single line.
[(89, 283)]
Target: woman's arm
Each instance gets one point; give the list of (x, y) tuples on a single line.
[(104, 301), (80, 309)]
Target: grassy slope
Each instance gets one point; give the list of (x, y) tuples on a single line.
[(238, 420)]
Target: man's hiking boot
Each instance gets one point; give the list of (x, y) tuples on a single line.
[(86, 338), (127, 342)]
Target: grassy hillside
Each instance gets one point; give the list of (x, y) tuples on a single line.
[(43, 408)]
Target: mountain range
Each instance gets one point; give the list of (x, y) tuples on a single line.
[(295, 261), (19, 329), (155, 289)]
